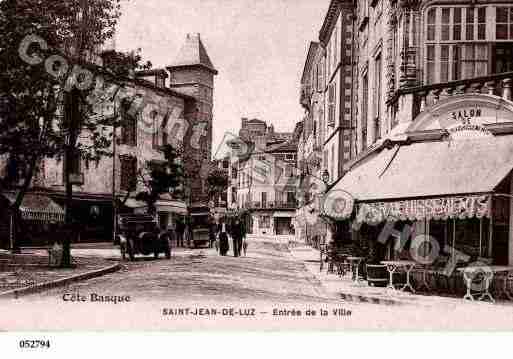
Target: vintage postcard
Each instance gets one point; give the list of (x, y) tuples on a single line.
[(256, 165)]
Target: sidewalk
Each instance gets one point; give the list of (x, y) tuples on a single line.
[(346, 289)]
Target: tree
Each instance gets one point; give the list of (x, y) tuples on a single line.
[(122, 63), (44, 119), (217, 183), (160, 177)]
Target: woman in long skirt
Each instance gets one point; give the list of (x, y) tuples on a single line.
[(223, 240)]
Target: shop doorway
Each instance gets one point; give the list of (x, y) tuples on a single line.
[(283, 225)]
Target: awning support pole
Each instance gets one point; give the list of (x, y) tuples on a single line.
[(480, 236), (453, 239), (11, 232), (490, 240)]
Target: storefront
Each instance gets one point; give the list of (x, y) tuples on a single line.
[(283, 222), (448, 177), (40, 218), (169, 211)]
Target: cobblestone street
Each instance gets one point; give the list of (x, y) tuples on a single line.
[(268, 273)]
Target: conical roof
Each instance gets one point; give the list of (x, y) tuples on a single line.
[(193, 53)]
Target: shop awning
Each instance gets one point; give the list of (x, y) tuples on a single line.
[(177, 207), (162, 205), (431, 170), (284, 214), (38, 207)]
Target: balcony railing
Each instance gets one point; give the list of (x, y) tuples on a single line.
[(498, 85), (271, 205), (76, 179)]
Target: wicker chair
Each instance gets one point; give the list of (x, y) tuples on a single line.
[(377, 275)]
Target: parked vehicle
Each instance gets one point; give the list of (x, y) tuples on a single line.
[(139, 234), (200, 229)]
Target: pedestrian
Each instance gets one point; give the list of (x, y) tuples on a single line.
[(187, 236), (212, 234), (224, 246), (238, 233), (180, 228)]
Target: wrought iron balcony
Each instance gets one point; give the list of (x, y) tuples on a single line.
[(424, 96), (271, 205)]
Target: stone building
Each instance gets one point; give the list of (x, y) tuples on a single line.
[(433, 126), (153, 114), (263, 177)]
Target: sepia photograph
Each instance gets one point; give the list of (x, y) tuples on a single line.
[(272, 165)]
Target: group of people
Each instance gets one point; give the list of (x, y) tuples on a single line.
[(225, 229)]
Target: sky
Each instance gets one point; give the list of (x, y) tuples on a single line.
[(258, 46)]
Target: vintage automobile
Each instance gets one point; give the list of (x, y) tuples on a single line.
[(139, 234), (200, 229)]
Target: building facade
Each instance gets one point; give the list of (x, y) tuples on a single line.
[(263, 179), (430, 86), (173, 113)]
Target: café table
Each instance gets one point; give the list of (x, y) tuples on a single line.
[(488, 271), (355, 261), (392, 266)]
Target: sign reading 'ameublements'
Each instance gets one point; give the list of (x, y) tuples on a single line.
[(419, 209)]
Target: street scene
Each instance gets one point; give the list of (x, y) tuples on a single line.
[(158, 160)]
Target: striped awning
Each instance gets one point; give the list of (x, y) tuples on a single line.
[(38, 207)]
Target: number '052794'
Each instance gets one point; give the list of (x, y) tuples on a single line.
[(34, 344)]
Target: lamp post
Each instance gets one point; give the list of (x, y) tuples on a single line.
[(326, 179), (114, 202), (325, 176)]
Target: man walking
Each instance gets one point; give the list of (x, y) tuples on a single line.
[(238, 233), (180, 228)]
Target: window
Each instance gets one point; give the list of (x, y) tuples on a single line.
[(446, 24), (289, 171), (320, 77), (456, 31), (431, 24), (474, 60), (365, 104), (503, 58), (128, 127), (332, 163), (430, 66), (335, 47), (504, 23), (265, 222), (481, 23), (455, 43), (278, 197), (331, 104), (444, 63), (328, 65), (264, 199), (155, 130), (377, 97), (456, 62), (15, 171), (128, 173), (74, 163), (469, 32), (291, 197)]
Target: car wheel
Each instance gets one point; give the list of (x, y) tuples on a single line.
[(123, 252), (130, 249), (167, 249)]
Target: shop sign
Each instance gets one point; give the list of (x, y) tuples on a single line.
[(466, 124), (419, 209)]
